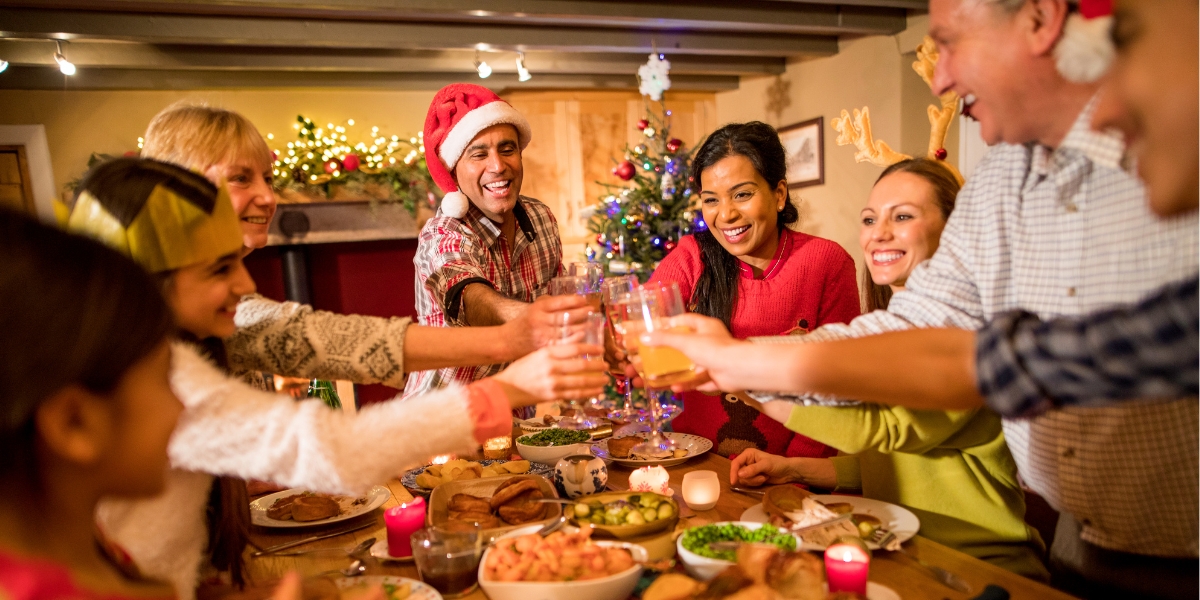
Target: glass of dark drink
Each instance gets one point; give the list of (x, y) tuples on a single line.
[(448, 560)]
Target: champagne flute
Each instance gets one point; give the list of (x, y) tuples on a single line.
[(616, 305), (591, 331)]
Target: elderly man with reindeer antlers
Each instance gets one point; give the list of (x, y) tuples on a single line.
[(1052, 224)]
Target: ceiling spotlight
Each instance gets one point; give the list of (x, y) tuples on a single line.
[(484, 69), (64, 65), (522, 72), (3, 66)]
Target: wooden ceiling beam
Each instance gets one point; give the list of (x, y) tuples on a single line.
[(106, 54), (822, 18), (41, 78)]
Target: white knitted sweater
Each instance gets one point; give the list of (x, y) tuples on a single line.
[(230, 428)]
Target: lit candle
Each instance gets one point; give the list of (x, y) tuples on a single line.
[(441, 459), (701, 489), (401, 521), (497, 447), (649, 479), (846, 566)]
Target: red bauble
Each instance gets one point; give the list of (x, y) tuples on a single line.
[(130, 154), (350, 162), (674, 144), (599, 238), (669, 245), (274, 155), (642, 124), (940, 154), (332, 166), (624, 170)]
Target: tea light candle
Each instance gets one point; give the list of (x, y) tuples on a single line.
[(701, 489), (401, 522), (649, 479), (497, 447), (846, 567)]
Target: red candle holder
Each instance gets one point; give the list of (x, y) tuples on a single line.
[(847, 564), (401, 522)]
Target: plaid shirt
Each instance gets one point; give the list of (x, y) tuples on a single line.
[(1066, 232), (1027, 366), (452, 254)]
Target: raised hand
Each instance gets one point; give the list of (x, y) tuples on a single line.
[(556, 372), (541, 322)]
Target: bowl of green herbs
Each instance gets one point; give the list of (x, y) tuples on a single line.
[(549, 445), (703, 562)]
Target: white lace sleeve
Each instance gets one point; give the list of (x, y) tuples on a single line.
[(230, 428)]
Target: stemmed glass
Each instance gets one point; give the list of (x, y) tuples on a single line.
[(616, 305), (650, 309), (592, 284), (591, 331)]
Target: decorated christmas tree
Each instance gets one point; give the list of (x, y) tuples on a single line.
[(640, 220)]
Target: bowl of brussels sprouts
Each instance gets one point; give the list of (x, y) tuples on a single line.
[(624, 515)]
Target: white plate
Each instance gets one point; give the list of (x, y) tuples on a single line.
[(375, 498), (897, 519), (694, 444), (420, 589)]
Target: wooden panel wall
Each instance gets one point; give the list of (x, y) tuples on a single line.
[(577, 136)]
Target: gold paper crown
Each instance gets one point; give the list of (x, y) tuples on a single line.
[(857, 130), (172, 229)]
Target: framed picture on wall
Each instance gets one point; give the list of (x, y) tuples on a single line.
[(805, 146)]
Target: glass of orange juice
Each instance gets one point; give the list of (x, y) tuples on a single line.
[(652, 306)]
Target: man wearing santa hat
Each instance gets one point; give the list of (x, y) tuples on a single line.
[(489, 253)]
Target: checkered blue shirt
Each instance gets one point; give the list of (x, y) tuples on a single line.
[(1066, 232), (1026, 366)]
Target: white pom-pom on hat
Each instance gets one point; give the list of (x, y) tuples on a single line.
[(455, 205), (1085, 50)]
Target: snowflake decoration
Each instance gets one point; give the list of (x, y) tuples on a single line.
[(653, 77)]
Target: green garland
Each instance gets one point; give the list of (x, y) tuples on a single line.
[(322, 158)]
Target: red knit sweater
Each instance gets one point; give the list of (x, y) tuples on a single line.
[(809, 283)]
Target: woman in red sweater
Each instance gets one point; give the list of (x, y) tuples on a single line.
[(760, 278)]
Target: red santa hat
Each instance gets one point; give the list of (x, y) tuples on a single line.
[(1085, 50), (457, 114)]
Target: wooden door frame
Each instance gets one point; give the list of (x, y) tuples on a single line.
[(26, 181)]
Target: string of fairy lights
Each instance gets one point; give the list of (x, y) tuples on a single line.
[(322, 154)]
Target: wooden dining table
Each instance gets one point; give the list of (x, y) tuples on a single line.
[(898, 571)]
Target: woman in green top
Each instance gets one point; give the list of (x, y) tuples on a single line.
[(952, 469)]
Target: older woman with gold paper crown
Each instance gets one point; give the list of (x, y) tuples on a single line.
[(182, 229)]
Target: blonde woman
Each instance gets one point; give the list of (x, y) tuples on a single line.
[(292, 339)]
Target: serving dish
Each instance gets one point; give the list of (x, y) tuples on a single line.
[(614, 587), (439, 513), (409, 479), (622, 532), (703, 567)]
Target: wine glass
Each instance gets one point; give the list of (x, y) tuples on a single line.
[(592, 286), (650, 309), (591, 331), (616, 305)]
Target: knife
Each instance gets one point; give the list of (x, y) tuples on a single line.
[(274, 549)]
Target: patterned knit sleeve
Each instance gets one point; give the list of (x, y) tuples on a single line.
[(229, 428), (294, 340)]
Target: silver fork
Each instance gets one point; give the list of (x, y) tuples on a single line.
[(887, 540)]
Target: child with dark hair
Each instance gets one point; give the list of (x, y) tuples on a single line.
[(755, 275), (86, 411)]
